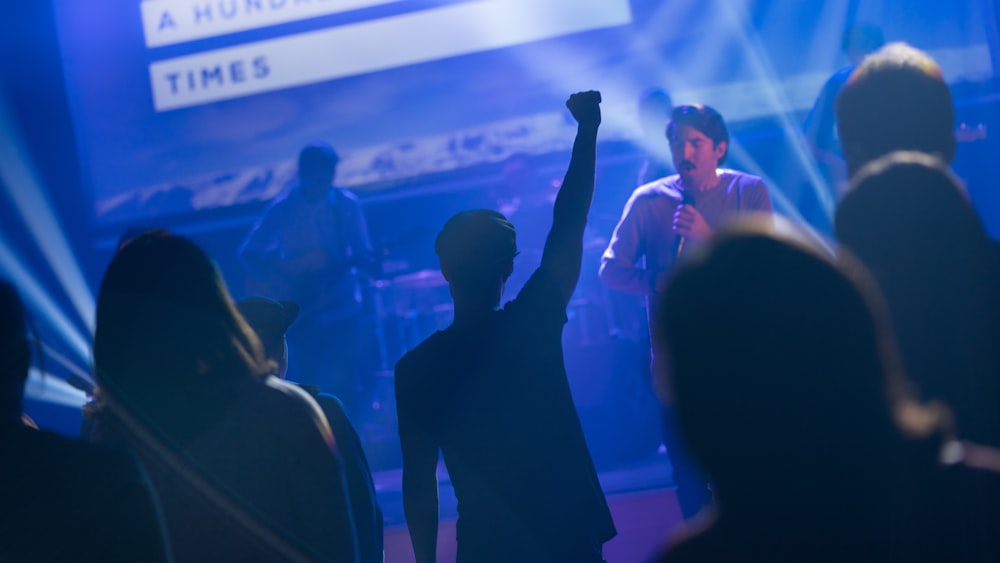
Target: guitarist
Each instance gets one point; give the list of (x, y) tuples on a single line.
[(311, 246)]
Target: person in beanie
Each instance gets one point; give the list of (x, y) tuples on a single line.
[(270, 319), (490, 391)]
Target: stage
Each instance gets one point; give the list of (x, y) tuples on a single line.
[(640, 495)]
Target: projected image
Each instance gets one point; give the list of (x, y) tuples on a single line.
[(186, 105)]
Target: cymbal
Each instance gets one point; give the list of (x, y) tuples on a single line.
[(420, 280)]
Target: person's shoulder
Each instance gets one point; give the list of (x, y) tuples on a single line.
[(339, 194), (283, 203), (281, 392), (88, 461), (667, 186), (728, 174), (287, 196), (333, 408), (741, 180), (284, 401), (424, 353), (540, 300)]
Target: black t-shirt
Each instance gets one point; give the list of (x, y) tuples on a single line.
[(495, 399)]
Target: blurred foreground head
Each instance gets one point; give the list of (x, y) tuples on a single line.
[(781, 365), (896, 99), (165, 319), (908, 219)]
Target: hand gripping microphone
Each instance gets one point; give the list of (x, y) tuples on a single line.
[(687, 199)]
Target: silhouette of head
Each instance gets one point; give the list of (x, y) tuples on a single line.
[(896, 99), (655, 107), (317, 167), (15, 355), (477, 249), (907, 219), (165, 319), (133, 233), (270, 319), (779, 364)]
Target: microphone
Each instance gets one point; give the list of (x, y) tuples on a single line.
[(687, 198)]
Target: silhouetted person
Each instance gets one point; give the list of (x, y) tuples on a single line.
[(896, 99), (663, 221), (490, 391), (311, 247), (60, 499), (244, 463), (787, 391), (907, 218), (909, 221), (820, 127), (270, 319)]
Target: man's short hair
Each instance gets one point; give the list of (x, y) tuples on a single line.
[(703, 119), (896, 99), (317, 157), (476, 243)]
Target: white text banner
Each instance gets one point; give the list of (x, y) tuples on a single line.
[(166, 22), (372, 46)]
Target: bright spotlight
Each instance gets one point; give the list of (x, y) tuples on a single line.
[(28, 195)]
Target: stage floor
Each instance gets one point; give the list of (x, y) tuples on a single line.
[(640, 495)]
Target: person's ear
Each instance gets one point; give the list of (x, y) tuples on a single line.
[(720, 149)]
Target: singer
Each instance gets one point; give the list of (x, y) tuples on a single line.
[(662, 221)]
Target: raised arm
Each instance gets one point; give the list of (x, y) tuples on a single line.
[(563, 251)]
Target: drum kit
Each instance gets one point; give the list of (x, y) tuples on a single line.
[(407, 309)]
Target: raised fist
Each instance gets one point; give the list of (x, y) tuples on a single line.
[(586, 107)]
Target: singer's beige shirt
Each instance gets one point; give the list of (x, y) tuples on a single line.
[(643, 243)]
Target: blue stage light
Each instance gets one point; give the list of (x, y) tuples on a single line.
[(17, 173), (38, 299)]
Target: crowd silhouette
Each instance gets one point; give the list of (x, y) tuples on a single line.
[(819, 405)]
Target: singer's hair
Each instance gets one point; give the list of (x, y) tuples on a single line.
[(704, 119)]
